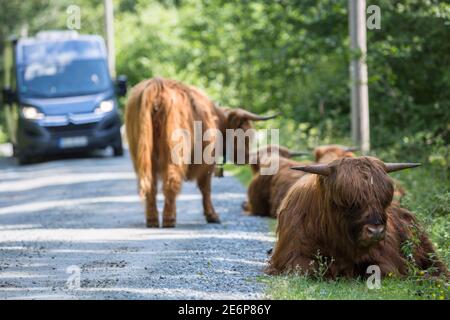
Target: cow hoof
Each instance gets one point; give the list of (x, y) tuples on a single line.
[(169, 223), (244, 206), (213, 219), (152, 224)]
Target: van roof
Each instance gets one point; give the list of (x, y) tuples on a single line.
[(59, 40), (58, 35)]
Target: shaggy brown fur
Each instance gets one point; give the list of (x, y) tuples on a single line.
[(334, 216), (265, 192), (329, 153), (155, 109)]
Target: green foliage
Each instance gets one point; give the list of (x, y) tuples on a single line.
[(322, 265), (3, 137), (243, 173), (290, 56), (409, 67), (293, 56)]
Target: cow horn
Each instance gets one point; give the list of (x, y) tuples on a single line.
[(321, 169), (392, 167), (255, 117), (299, 153), (351, 149)]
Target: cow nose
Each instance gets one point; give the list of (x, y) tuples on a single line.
[(375, 232)]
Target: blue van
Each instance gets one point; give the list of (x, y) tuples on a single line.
[(59, 95)]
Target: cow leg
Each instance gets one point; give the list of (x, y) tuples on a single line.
[(245, 206), (204, 184), (151, 210), (171, 187)]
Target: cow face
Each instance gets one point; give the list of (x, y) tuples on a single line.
[(358, 192), (240, 133)]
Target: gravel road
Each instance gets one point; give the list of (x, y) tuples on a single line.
[(82, 216)]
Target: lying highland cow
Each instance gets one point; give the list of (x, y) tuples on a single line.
[(156, 109), (343, 213), (265, 192)]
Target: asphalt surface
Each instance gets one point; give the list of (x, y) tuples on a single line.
[(74, 229)]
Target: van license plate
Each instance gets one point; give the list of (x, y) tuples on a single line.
[(73, 142)]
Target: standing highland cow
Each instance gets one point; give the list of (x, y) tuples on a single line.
[(343, 211), (156, 109)]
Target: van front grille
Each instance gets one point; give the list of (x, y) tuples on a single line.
[(72, 128)]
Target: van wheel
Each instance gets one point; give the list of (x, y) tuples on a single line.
[(118, 151)]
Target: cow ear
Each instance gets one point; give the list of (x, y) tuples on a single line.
[(320, 169), (392, 167), (318, 153)]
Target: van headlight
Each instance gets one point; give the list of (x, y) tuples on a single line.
[(32, 113), (105, 107)]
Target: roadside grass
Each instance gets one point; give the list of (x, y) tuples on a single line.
[(304, 288), (242, 173), (428, 197)]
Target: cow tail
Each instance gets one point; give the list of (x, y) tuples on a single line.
[(141, 143), (145, 142)]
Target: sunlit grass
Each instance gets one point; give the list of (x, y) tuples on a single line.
[(303, 288), (242, 173)]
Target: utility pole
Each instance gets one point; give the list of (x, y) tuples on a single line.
[(109, 30), (358, 73)]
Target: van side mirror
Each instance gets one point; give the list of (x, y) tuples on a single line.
[(121, 84), (8, 96)]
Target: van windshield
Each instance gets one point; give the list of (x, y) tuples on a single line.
[(59, 69)]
